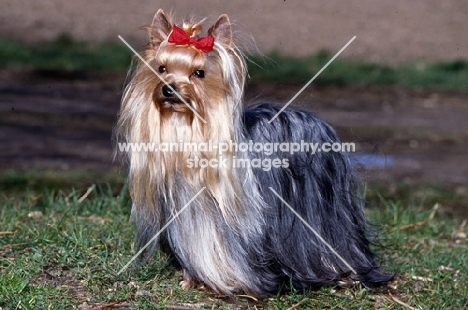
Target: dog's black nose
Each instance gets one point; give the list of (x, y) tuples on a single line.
[(167, 91)]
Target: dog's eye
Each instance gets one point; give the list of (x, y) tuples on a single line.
[(199, 73), (162, 69)]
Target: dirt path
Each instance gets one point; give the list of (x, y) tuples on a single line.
[(47, 123)]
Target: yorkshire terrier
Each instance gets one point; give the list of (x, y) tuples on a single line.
[(238, 233)]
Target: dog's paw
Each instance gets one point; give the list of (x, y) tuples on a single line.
[(186, 280), (187, 284)]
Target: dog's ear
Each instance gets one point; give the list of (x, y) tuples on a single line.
[(160, 28), (221, 30)]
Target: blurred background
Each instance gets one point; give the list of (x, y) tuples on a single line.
[(399, 90)]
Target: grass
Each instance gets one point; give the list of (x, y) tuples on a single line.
[(64, 54), (67, 55), (61, 248), (278, 68)]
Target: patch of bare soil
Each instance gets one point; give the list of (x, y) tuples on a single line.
[(64, 280)]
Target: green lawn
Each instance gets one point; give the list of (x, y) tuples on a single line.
[(61, 247)]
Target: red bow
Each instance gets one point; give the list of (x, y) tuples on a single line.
[(180, 37)]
